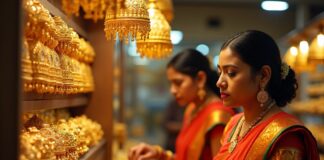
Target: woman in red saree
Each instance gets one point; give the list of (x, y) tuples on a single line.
[(253, 76), (193, 85)]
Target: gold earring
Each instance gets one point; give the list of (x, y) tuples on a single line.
[(262, 96), (201, 94)]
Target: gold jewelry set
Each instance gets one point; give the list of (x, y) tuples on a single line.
[(54, 59), (65, 139), (235, 140)]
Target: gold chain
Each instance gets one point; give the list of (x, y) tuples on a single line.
[(235, 140)]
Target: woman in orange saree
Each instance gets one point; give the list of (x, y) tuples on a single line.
[(253, 76), (193, 85)]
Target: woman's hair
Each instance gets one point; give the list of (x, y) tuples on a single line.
[(257, 49), (190, 62)]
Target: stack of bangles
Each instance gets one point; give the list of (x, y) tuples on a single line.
[(163, 154)]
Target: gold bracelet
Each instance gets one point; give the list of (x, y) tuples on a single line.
[(169, 155), (159, 150)]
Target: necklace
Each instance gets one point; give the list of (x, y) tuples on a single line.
[(235, 140)]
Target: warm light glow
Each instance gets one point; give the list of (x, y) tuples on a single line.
[(290, 56), (176, 37), (316, 50), (204, 49), (320, 40), (293, 51), (304, 47), (274, 5)]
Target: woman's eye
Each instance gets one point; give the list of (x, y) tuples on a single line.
[(231, 74), (177, 82)]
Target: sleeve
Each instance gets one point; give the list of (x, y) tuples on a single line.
[(215, 136), (289, 147)]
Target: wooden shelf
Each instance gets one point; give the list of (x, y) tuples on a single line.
[(43, 102), (311, 29), (95, 151)]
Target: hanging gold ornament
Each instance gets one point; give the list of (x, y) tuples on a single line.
[(71, 7), (158, 45), (127, 17), (94, 9), (166, 7), (26, 70)]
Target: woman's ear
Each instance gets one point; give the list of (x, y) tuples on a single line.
[(265, 75), (201, 79)]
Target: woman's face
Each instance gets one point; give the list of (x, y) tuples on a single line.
[(182, 86), (237, 84)]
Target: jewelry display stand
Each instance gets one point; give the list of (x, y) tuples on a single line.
[(14, 102)]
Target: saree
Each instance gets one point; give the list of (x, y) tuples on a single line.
[(191, 141), (261, 141)]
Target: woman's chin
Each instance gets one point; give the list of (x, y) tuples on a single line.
[(182, 102), (227, 103)]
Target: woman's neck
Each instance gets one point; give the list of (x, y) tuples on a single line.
[(210, 97), (253, 110)]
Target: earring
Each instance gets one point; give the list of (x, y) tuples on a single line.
[(201, 94), (262, 96)]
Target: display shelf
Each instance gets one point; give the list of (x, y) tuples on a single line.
[(316, 89), (43, 102), (312, 106), (95, 151), (309, 30), (57, 12), (316, 77)]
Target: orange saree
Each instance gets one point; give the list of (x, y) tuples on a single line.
[(280, 131), (191, 143)]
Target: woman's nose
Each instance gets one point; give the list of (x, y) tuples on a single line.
[(173, 90), (220, 83)]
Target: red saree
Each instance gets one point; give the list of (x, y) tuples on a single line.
[(262, 140), (191, 141)]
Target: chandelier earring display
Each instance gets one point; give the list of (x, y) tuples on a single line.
[(127, 18), (262, 96), (158, 45)]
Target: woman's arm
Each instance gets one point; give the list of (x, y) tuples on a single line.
[(288, 147), (215, 136)]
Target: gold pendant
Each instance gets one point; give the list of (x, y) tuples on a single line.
[(232, 146)]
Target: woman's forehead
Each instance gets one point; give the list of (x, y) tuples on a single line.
[(229, 56)]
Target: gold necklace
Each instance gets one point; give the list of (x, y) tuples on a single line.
[(235, 140)]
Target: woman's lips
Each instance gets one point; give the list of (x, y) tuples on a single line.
[(224, 95)]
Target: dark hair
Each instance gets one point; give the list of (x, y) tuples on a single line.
[(190, 62), (257, 49)]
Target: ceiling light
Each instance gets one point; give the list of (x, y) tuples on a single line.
[(176, 37), (204, 49), (274, 5)]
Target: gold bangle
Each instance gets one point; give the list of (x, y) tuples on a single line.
[(168, 155), (159, 150)]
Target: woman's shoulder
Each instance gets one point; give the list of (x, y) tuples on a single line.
[(281, 128), (290, 136)]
